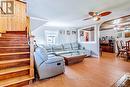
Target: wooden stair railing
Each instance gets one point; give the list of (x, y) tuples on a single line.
[(31, 56), (31, 42)]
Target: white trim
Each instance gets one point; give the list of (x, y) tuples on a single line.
[(35, 18)]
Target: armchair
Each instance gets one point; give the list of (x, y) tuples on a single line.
[(120, 50), (48, 65)]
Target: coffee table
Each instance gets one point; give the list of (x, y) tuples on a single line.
[(124, 81), (72, 58)]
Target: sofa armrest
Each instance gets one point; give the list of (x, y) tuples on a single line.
[(51, 53)]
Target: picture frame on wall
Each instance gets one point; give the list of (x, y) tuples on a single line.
[(74, 32), (127, 33), (61, 32), (81, 33), (86, 36), (68, 32), (119, 35)]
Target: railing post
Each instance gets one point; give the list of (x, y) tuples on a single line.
[(28, 26), (31, 56)]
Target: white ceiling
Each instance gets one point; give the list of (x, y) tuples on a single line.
[(72, 12)]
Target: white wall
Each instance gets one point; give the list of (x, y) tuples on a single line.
[(92, 36), (113, 33), (40, 37), (110, 32)]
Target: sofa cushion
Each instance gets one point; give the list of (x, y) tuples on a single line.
[(48, 48), (63, 52), (54, 59), (67, 46), (41, 53), (75, 46), (57, 48)]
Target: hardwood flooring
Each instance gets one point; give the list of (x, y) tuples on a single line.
[(92, 72)]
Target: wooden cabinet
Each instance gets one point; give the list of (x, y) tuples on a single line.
[(108, 46)]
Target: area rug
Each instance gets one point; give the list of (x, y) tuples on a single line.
[(124, 81)]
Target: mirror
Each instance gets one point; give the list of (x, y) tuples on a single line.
[(87, 34)]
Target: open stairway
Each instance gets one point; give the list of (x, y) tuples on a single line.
[(15, 63)]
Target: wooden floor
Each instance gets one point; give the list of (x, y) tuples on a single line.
[(92, 72)]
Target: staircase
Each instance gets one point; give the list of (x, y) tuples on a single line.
[(15, 62)]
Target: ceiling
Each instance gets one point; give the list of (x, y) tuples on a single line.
[(70, 13), (121, 23)]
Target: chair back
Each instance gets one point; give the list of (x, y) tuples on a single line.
[(128, 45), (122, 43), (117, 44)]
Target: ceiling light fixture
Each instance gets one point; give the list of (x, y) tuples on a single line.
[(117, 27), (96, 18), (97, 15), (116, 22)]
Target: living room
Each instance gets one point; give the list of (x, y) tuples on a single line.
[(65, 43)]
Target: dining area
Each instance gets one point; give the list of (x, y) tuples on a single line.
[(123, 49)]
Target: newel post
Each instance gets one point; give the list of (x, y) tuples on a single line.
[(32, 56)]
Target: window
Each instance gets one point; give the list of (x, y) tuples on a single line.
[(51, 37)]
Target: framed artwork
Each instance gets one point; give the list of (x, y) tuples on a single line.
[(68, 32), (74, 32), (103, 38), (86, 36), (60, 31), (81, 33), (127, 33), (119, 34)]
